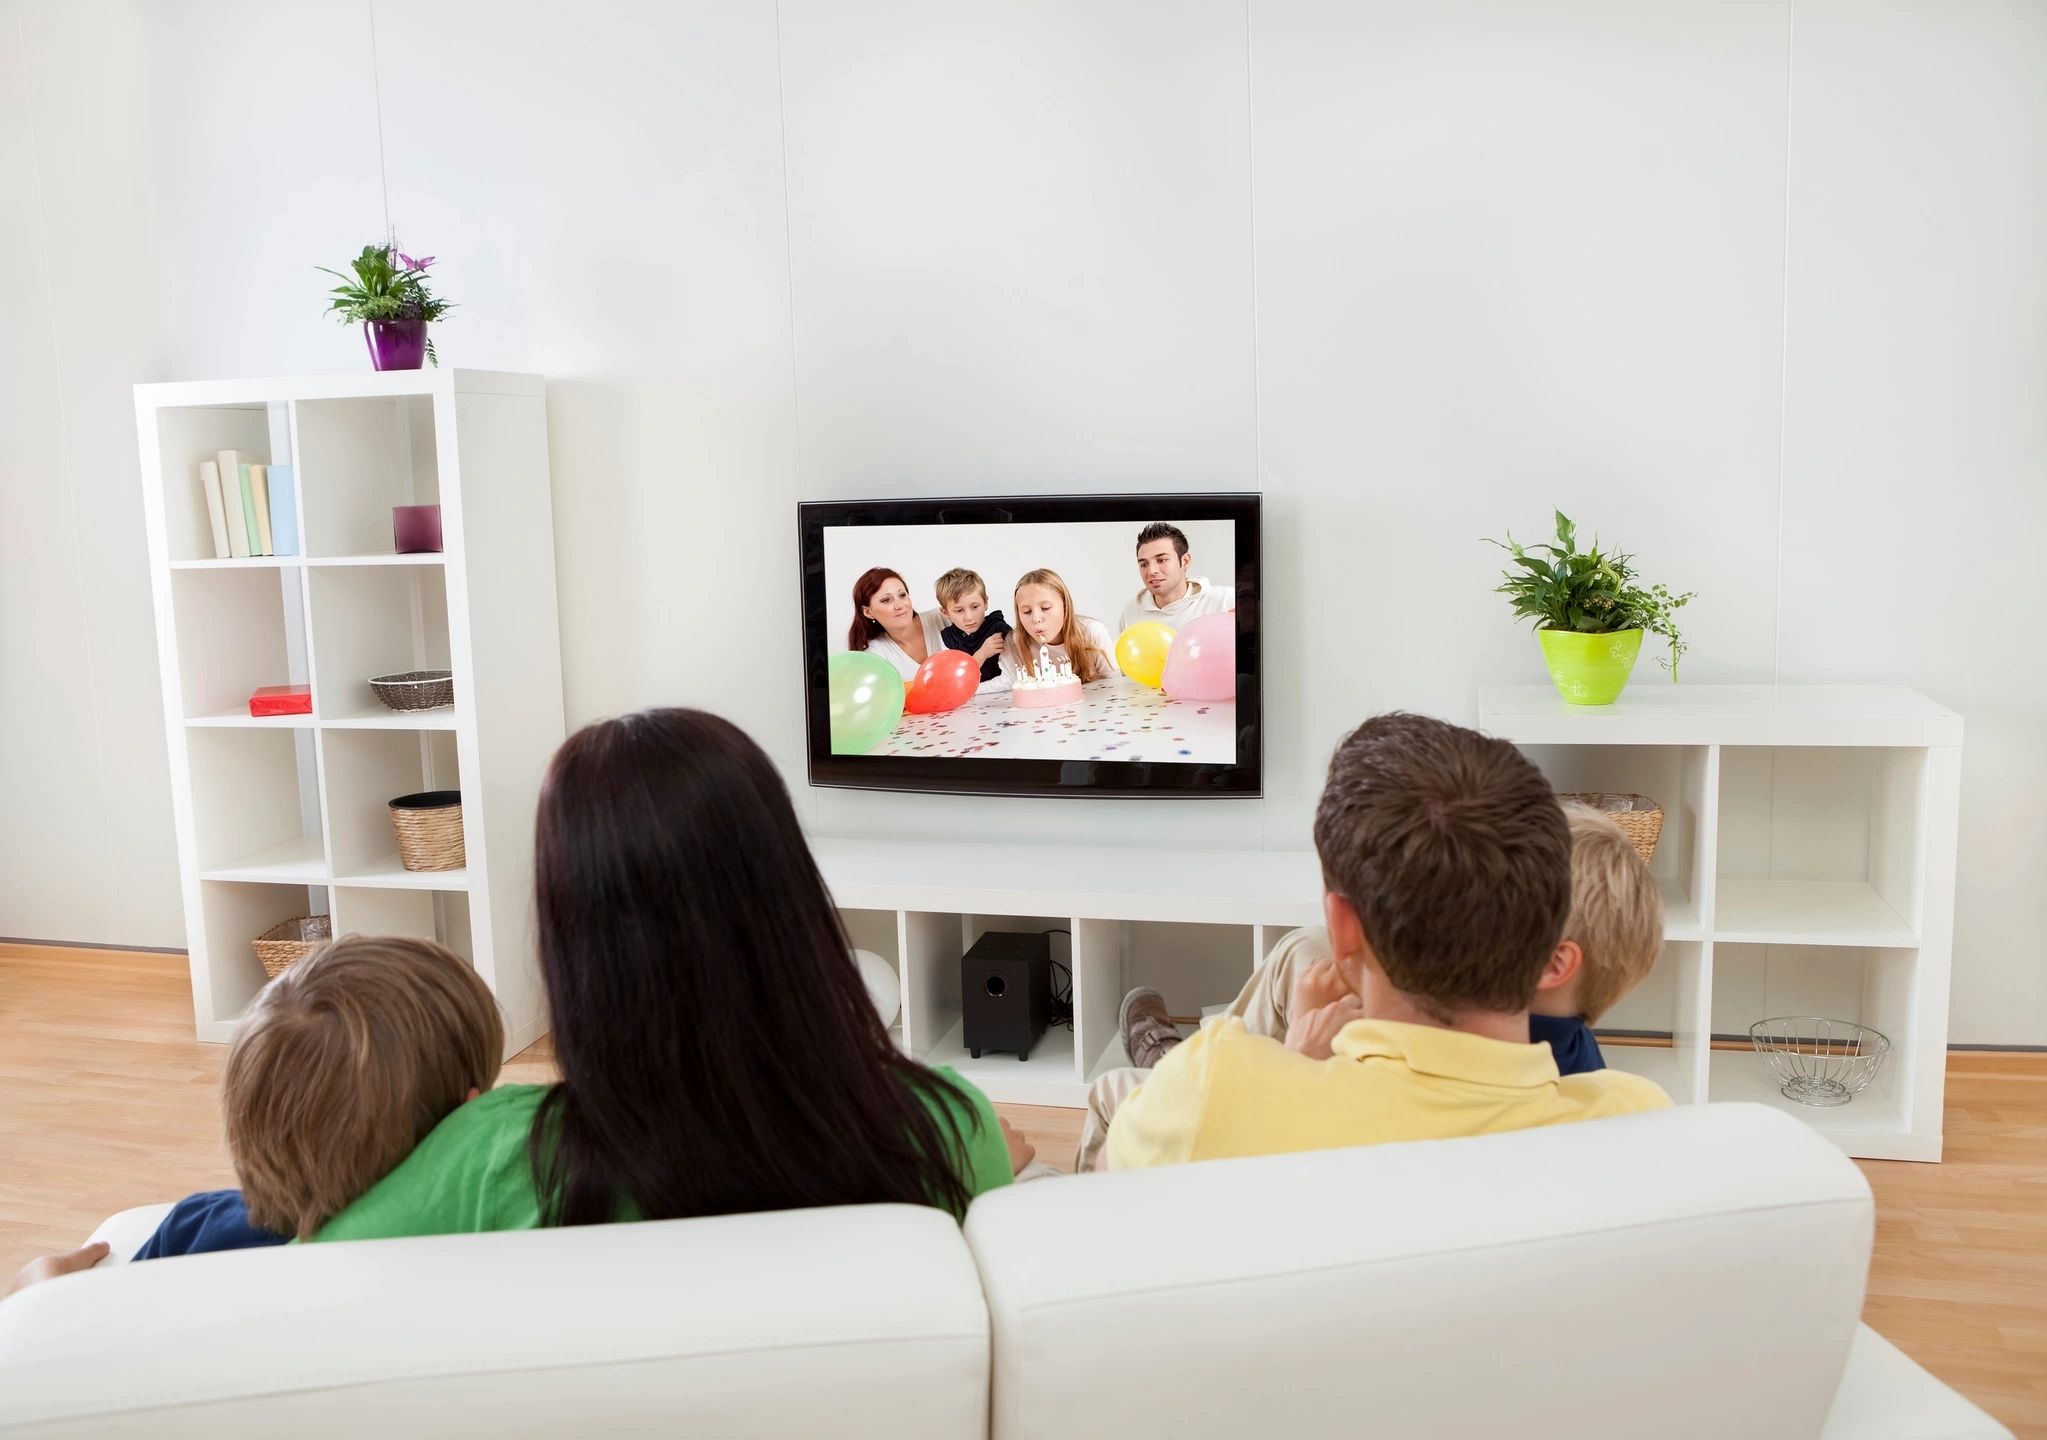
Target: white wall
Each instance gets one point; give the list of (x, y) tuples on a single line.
[(1757, 287)]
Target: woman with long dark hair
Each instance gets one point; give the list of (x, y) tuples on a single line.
[(717, 1048)]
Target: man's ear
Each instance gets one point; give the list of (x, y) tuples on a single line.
[(1346, 937), (1562, 966)]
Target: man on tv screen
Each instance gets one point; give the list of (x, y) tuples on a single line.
[(1172, 594)]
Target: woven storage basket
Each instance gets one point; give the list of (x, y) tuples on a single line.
[(291, 940), (1640, 818), (429, 827), (415, 689)]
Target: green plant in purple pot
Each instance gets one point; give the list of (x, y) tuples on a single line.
[(388, 297)]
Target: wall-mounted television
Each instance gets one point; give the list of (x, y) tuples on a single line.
[(1034, 645)]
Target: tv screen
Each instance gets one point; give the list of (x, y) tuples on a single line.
[(1096, 645)]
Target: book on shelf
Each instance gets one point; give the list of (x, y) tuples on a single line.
[(216, 512), (284, 511), (230, 467), (282, 700), (255, 539), (259, 487)]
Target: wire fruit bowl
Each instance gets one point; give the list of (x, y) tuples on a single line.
[(1819, 1061)]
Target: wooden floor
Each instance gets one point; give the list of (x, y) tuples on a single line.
[(106, 1101)]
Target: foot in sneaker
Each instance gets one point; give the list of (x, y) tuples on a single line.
[(1148, 1032)]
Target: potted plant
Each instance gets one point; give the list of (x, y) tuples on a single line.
[(389, 299), (1589, 610)]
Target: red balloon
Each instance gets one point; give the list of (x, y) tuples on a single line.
[(944, 682)]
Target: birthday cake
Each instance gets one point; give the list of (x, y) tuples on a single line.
[(1051, 683)]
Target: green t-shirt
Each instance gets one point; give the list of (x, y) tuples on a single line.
[(474, 1173)]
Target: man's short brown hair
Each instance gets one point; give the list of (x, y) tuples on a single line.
[(955, 583), (1160, 530), (1453, 851), (342, 1066), (1616, 911)]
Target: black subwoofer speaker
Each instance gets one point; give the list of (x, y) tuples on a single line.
[(1006, 992)]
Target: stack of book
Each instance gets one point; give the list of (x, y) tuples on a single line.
[(251, 505)]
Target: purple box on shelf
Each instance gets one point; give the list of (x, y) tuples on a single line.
[(416, 529)]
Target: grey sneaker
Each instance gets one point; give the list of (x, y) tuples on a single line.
[(1148, 1032)]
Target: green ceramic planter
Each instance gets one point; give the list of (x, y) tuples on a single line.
[(1590, 669)]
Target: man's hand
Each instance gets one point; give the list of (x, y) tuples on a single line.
[(1021, 1151), (1314, 987), (51, 1266), (1313, 1032)]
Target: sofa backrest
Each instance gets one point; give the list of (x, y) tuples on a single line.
[(1694, 1272), (864, 1320)]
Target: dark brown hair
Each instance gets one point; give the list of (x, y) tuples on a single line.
[(865, 627), (1162, 531), (718, 1050), (343, 1064), (1453, 851)]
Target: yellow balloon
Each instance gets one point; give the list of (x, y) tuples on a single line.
[(1141, 652)]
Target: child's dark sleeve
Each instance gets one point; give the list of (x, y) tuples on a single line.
[(201, 1224), (994, 618)]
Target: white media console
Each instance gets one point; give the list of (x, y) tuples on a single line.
[(1807, 864)]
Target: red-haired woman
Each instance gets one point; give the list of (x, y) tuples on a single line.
[(885, 623)]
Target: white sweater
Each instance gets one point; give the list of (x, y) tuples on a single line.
[(897, 656), (1200, 598)]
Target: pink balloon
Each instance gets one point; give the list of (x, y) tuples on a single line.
[(1202, 664), (944, 682)]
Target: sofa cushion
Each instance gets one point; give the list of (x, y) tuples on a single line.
[(1691, 1272), (858, 1321)]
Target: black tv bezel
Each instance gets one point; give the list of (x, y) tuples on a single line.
[(1108, 779)]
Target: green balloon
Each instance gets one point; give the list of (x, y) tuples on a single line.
[(867, 700)]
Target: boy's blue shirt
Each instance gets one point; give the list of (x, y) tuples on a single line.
[(201, 1224), (1570, 1039)]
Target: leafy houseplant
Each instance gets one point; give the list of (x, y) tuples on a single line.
[(388, 297), (1589, 609)]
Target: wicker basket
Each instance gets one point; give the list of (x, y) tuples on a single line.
[(415, 689), (1640, 818), (291, 940), (429, 827)]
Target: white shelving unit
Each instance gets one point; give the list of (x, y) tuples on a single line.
[(1808, 867), (285, 816)]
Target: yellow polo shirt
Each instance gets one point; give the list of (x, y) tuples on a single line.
[(1226, 1092)]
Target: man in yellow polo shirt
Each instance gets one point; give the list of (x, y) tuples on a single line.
[(1446, 866)]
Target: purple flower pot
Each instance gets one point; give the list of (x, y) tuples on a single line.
[(395, 344)]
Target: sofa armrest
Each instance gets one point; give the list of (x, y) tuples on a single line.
[(1885, 1396), (126, 1231)]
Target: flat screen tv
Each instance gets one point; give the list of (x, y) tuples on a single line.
[(1041, 645)]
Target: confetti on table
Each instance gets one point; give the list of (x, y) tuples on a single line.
[(1119, 720)]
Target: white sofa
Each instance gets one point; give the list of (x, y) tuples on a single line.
[(1697, 1272)]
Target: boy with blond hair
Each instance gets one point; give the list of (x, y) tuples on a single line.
[(341, 1066), (970, 626)]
